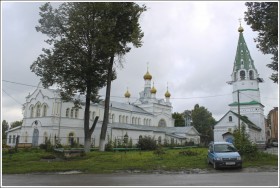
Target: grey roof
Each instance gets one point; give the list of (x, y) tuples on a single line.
[(178, 132), (128, 107)]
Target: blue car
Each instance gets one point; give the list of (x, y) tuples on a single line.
[(223, 154)]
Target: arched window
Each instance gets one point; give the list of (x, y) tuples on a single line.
[(76, 113), (139, 121), (132, 120), (230, 118), (126, 119), (242, 75), (162, 123), (71, 138), (251, 75), (72, 113), (44, 110), (120, 118), (113, 118), (67, 112), (38, 110), (123, 119), (31, 111), (26, 137)]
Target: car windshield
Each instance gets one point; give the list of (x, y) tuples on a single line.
[(224, 148)]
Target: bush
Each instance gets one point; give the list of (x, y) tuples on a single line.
[(48, 156), (109, 146), (147, 143), (243, 144), (159, 151)]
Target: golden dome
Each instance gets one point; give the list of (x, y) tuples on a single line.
[(153, 90), (147, 76), (240, 29), (127, 94), (167, 94)]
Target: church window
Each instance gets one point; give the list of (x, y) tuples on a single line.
[(242, 75), (139, 121), (162, 123), (113, 118), (72, 113), (76, 113), (44, 110), (242, 62), (120, 118), (38, 110), (71, 138), (93, 114), (230, 118), (126, 119), (45, 137), (251, 75), (10, 139), (26, 137), (123, 119), (14, 138), (31, 111), (67, 112)]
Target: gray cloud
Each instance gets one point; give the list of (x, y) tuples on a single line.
[(190, 45)]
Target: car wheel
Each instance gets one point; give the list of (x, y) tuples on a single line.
[(215, 165)]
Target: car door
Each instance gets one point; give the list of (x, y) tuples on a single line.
[(210, 153)]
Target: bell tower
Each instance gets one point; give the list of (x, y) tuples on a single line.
[(245, 83)]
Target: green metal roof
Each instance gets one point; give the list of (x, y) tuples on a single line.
[(246, 103), (243, 56)]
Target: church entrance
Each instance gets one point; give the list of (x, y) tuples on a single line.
[(35, 138)]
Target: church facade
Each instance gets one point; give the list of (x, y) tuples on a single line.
[(246, 108), (47, 116)]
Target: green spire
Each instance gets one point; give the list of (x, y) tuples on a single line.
[(243, 59)]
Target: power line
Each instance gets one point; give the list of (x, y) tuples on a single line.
[(19, 83), (182, 98), (11, 97)]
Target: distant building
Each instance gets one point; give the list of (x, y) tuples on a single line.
[(46, 116), (246, 107), (188, 118), (272, 125)]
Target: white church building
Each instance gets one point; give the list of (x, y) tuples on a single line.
[(47, 116), (246, 108)]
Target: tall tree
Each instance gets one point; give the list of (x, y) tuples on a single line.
[(5, 127), (121, 27), (203, 122), (179, 119), (263, 17), (84, 39), (73, 61), (16, 123)]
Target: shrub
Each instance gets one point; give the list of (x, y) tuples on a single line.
[(48, 156), (147, 143), (159, 151), (243, 143), (109, 146)]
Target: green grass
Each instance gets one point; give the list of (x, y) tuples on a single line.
[(109, 162)]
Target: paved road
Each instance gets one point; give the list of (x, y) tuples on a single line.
[(212, 179)]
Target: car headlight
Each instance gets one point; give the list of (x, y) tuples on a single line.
[(218, 158), (238, 158)]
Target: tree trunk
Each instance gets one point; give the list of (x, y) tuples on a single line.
[(86, 121), (107, 105)]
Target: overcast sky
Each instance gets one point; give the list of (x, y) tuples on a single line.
[(189, 45)]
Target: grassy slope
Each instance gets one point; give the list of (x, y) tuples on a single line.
[(108, 162)]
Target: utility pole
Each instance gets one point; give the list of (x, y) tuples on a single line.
[(238, 107)]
